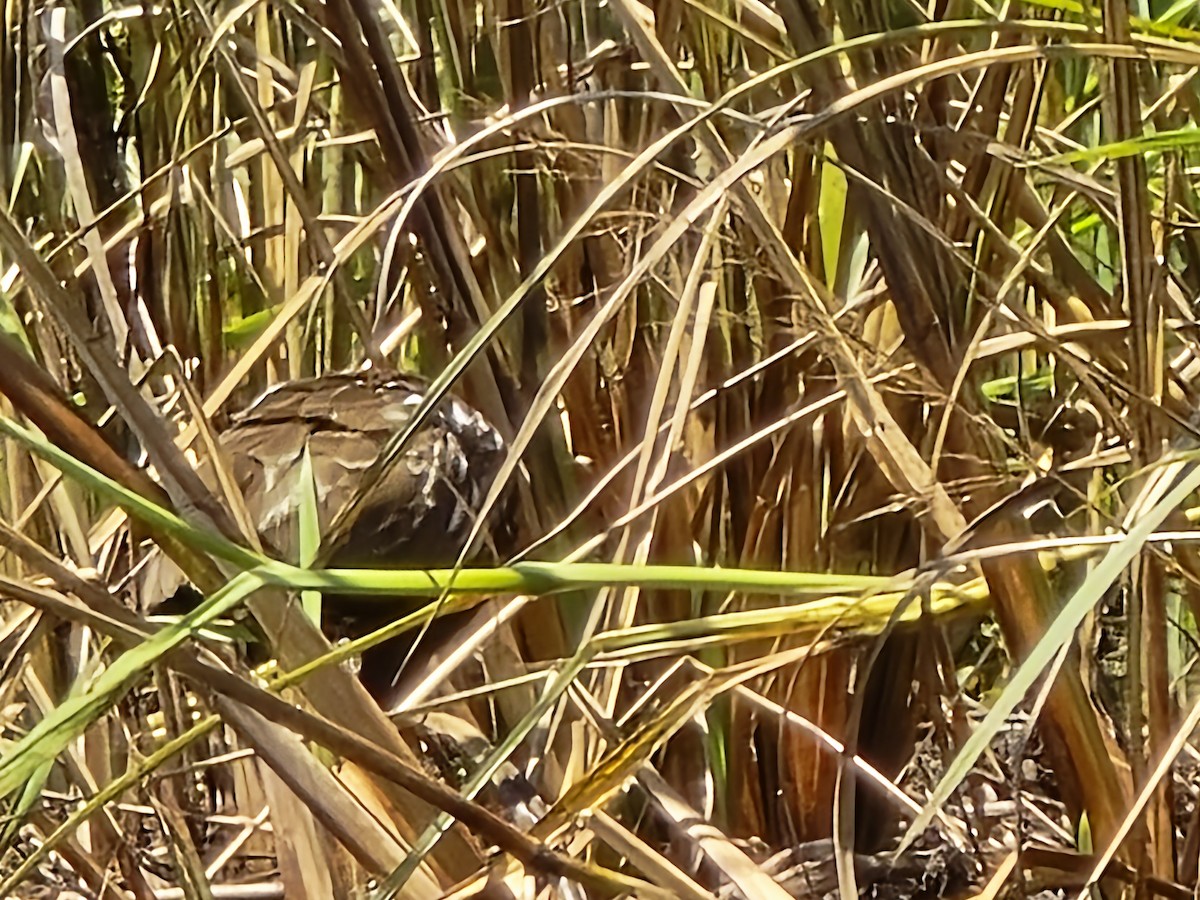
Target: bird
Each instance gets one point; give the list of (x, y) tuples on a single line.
[(415, 511), (420, 508)]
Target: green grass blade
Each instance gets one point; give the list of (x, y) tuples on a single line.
[(1061, 630), (68, 720), (309, 526)]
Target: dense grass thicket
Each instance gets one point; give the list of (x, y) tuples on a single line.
[(846, 352)]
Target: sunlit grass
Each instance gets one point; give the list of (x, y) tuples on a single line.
[(845, 361)]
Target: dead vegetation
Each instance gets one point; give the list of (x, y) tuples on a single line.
[(844, 354)]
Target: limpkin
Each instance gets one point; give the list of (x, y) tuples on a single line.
[(417, 514)]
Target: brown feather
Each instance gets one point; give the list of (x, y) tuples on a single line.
[(418, 515), (422, 509)]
